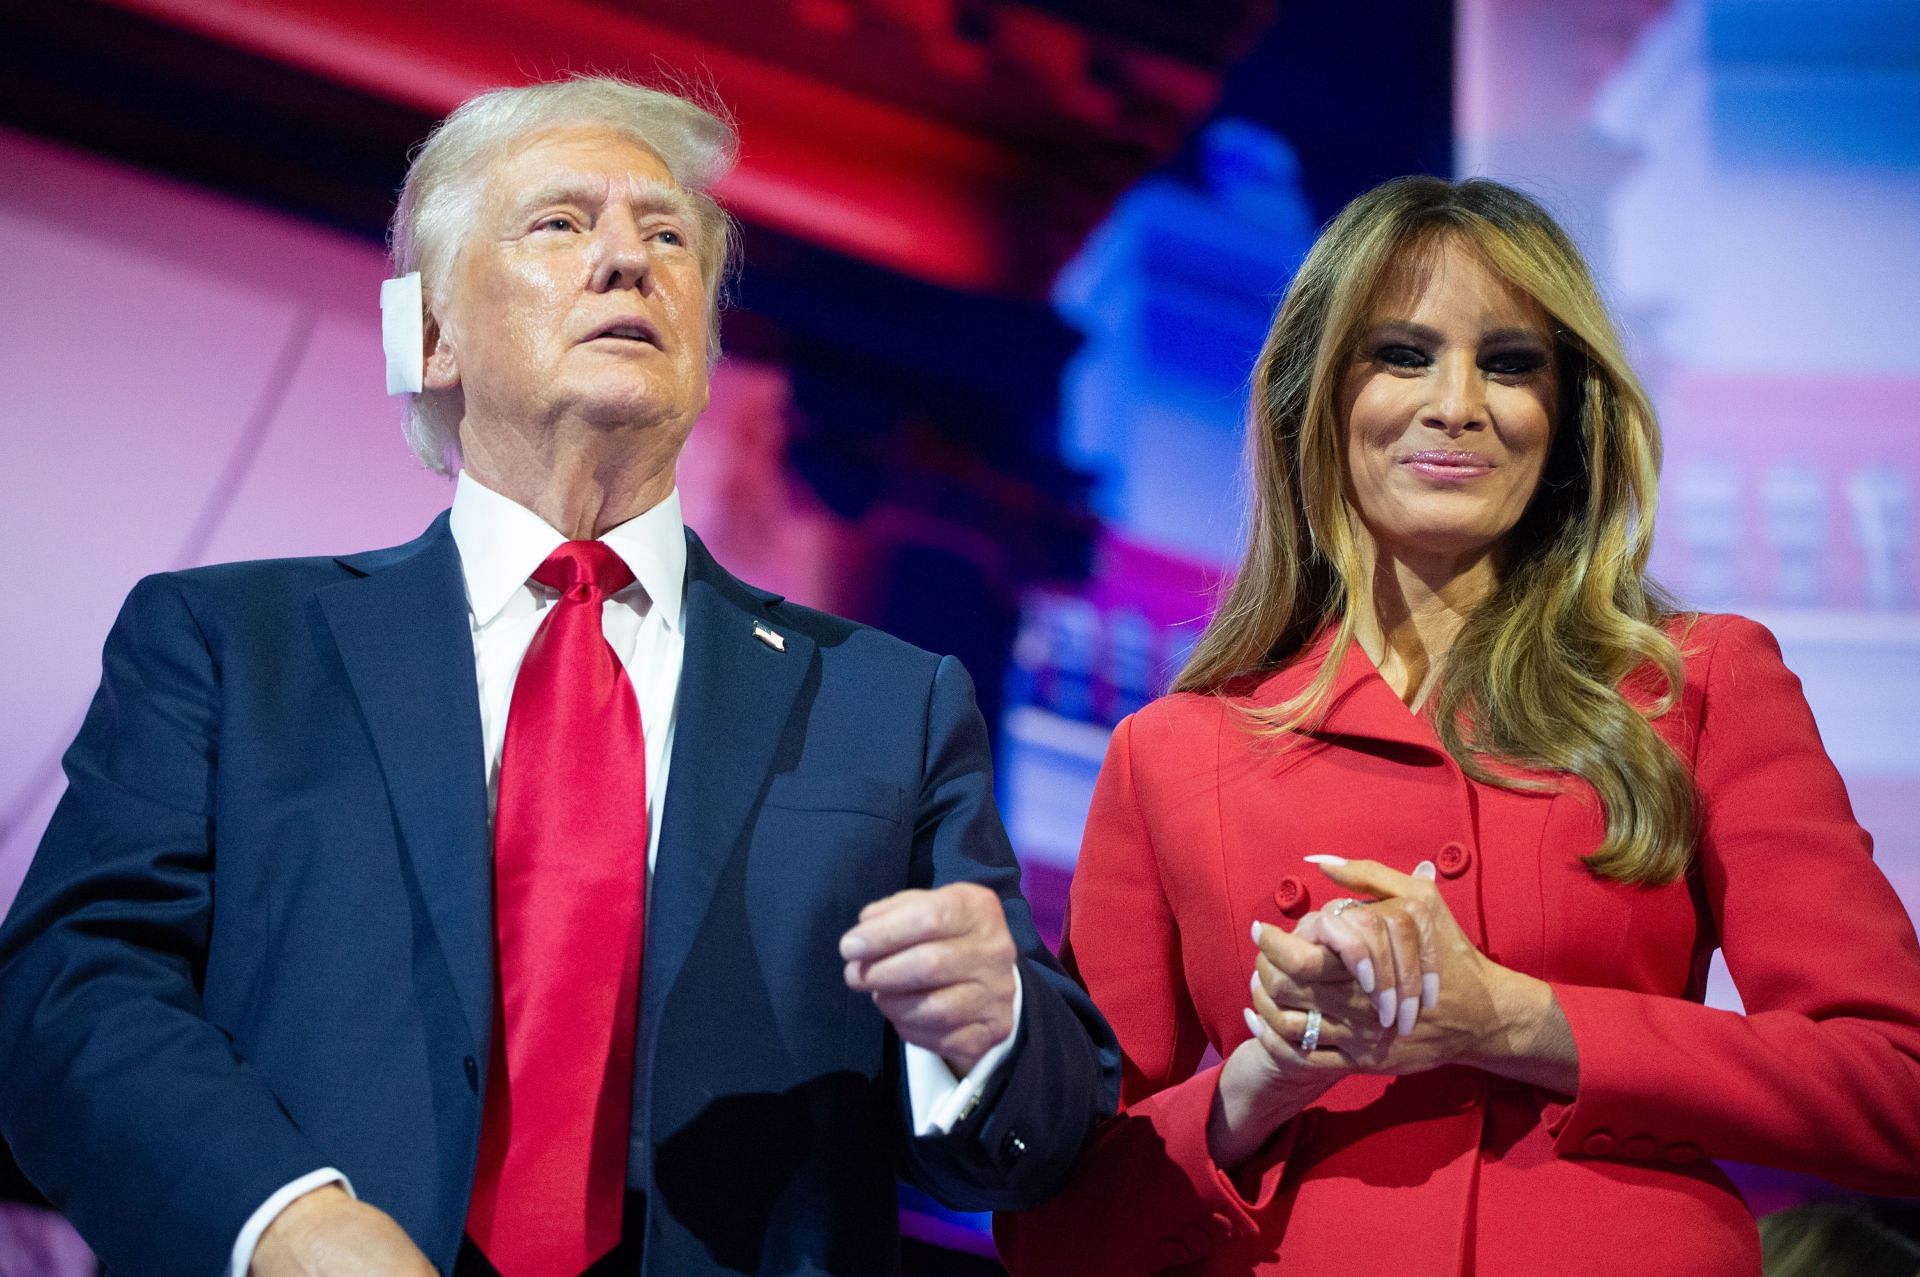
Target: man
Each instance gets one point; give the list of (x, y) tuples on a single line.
[(342, 953)]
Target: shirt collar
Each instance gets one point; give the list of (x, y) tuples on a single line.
[(501, 542)]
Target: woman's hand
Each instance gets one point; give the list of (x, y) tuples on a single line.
[(1435, 998), (1268, 1079)]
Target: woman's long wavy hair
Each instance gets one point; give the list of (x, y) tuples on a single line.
[(1534, 680)]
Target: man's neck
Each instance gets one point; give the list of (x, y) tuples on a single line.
[(579, 492)]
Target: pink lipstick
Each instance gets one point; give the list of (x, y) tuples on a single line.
[(1448, 465)]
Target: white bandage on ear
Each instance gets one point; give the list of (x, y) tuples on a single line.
[(401, 333)]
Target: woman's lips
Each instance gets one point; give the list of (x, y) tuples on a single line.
[(1448, 467)]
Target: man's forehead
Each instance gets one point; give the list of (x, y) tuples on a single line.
[(583, 163)]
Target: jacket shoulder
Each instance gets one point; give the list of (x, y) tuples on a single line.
[(260, 586)]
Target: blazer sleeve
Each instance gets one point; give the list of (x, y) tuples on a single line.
[(1148, 1194), (123, 1104), (1042, 1104), (1822, 1072)]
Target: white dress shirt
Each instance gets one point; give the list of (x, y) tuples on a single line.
[(501, 543)]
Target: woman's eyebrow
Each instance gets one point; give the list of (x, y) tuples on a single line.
[(1514, 334), (1406, 328)]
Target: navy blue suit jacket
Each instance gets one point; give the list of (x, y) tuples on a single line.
[(257, 937)]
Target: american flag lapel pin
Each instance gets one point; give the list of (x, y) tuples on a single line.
[(775, 641)]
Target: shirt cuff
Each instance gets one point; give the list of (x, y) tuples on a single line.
[(939, 1100), (270, 1209)]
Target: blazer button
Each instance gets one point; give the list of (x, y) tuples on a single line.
[(1173, 1253), (1465, 1093), (1011, 1147), (473, 1075), (1640, 1146), (1452, 860), (1683, 1154), (1292, 896), (1598, 1144), (1196, 1240)]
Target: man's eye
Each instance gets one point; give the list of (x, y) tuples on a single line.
[(674, 238), (557, 222)]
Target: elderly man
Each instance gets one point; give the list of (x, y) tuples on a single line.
[(534, 896)]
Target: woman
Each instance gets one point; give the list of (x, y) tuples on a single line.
[(1476, 1044)]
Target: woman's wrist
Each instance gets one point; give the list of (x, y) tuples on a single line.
[(1529, 1039), (1251, 1102)]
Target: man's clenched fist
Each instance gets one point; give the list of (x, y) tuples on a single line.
[(939, 965)]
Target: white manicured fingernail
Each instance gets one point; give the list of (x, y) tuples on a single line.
[(1256, 931), (1409, 1014), (1426, 870), (1325, 860), (1430, 990), (1253, 985), (853, 946), (1389, 1004), (1253, 1021), (1365, 976)]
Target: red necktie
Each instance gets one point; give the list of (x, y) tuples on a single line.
[(569, 865)]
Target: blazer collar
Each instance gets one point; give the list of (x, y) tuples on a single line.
[(1358, 705)]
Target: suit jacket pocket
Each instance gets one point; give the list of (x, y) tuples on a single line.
[(844, 791)]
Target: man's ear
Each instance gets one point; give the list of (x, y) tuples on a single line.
[(442, 360)]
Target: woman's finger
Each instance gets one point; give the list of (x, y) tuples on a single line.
[(1299, 954), (1403, 937), (1377, 879), (1429, 945), (1341, 998), (1288, 1025), (1365, 876), (1350, 945)]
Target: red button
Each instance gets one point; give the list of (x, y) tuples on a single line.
[(1641, 1146), (1598, 1144), (1197, 1240), (1683, 1154), (1292, 896), (1221, 1224), (1453, 860), (1465, 1093), (1173, 1254)]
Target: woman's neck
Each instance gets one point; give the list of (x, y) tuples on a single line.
[(1408, 621)]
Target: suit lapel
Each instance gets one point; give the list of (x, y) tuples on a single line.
[(736, 694), (403, 636)]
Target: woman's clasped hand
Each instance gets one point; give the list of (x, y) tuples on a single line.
[(1376, 969)]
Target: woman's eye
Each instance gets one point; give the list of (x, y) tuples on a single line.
[(1402, 357), (1515, 365), (674, 238)]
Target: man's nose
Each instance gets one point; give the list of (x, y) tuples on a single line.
[(1459, 400), (620, 257)]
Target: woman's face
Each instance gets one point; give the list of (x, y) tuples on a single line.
[(1449, 408)]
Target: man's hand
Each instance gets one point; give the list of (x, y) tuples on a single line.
[(326, 1233), (939, 965)]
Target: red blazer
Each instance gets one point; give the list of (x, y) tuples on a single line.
[(1198, 828)]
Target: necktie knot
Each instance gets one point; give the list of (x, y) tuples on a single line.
[(584, 571)]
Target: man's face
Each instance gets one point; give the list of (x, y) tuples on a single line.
[(577, 293)]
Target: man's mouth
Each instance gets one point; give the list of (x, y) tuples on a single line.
[(627, 330)]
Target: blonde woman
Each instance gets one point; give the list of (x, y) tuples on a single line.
[(1435, 836)]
